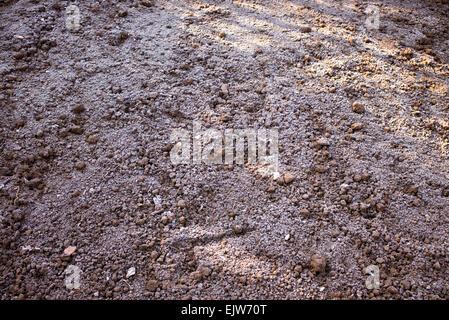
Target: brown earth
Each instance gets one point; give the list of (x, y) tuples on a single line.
[(86, 116)]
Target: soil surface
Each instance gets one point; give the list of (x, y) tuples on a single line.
[(86, 179)]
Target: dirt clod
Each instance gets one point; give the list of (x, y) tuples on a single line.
[(318, 263)]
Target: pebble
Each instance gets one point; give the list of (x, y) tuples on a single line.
[(305, 213), (356, 126), (392, 290), (323, 142), (92, 139), (147, 3), (181, 204), (157, 202), (305, 29), (412, 189), (224, 89), (318, 263), (358, 107), (80, 165), (131, 272), (238, 229), (69, 250), (288, 178), (76, 129), (445, 192), (320, 168), (78, 108)]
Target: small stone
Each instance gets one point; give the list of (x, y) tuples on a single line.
[(69, 250), (356, 126), (147, 3), (224, 89), (305, 213), (288, 178), (318, 263), (187, 82), (46, 153), (78, 108), (380, 260), (238, 229), (412, 189), (366, 176), (392, 290), (154, 254), (181, 204), (157, 202), (320, 168), (76, 129), (123, 35), (380, 207), (358, 107), (131, 272), (280, 180), (305, 29), (323, 142), (222, 35), (80, 165), (445, 192), (20, 124), (92, 139)]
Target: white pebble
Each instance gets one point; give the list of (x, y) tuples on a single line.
[(131, 272)]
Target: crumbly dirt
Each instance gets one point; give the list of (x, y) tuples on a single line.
[(85, 127)]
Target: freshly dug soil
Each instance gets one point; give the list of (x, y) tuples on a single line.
[(86, 178)]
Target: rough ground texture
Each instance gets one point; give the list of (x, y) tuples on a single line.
[(363, 126)]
